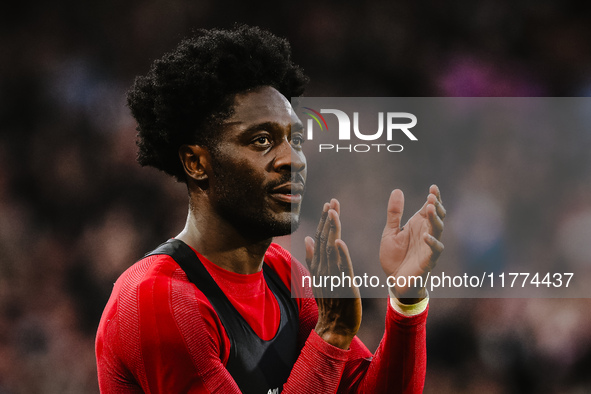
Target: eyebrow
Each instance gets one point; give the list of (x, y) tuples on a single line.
[(295, 127)]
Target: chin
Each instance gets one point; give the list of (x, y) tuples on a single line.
[(268, 225), (286, 225)]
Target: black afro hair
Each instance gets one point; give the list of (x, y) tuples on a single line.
[(189, 91)]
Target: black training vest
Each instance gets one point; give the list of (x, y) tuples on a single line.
[(256, 365)]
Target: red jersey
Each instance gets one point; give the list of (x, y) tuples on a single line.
[(160, 334)]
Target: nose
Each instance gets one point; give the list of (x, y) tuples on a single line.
[(289, 158)]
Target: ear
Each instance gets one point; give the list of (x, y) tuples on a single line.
[(195, 160)]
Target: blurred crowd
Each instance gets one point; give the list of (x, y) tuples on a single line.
[(76, 210)]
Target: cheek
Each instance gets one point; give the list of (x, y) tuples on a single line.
[(244, 175), (248, 169)]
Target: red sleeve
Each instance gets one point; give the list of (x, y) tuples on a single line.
[(400, 363), (398, 366)]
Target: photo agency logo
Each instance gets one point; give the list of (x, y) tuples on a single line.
[(395, 123)]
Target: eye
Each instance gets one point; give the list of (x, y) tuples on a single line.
[(297, 140), (262, 141)]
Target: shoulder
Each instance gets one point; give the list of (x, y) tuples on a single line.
[(158, 329), (156, 286), (154, 304), (145, 281), (126, 292), (118, 344)]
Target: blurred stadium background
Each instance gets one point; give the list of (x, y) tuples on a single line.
[(76, 210)]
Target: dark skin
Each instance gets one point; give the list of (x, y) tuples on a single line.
[(409, 251), (256, 142), (412, 250), (259, 145), (328, 255)]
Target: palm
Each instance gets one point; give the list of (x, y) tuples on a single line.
[(414, 249), (405, 252), (339, 310)]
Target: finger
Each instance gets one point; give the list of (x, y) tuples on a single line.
[(325, 231), (435, 190), (434, 197), (309, 244), (320, 228), (345, 258), (435, 221), (334, 204), (431, 200), (441, 211), (322, 256), (334, 233), (395, 210), (436, 200), (323, 216), (347, 268), (436, 247)]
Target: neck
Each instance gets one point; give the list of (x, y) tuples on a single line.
[(221, 243)]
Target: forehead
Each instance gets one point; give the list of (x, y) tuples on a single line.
[(263, 104)]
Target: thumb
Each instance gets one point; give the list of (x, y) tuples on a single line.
[(395, 210)]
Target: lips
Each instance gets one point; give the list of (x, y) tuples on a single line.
[(290, 193)]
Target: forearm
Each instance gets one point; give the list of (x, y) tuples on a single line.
[(318, 369), (399, 364), (397, 367)]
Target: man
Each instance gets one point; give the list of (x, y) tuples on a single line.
[(210, 310)]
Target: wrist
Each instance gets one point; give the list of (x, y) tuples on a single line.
[(410, 296), (406, 309), (342, 341)]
